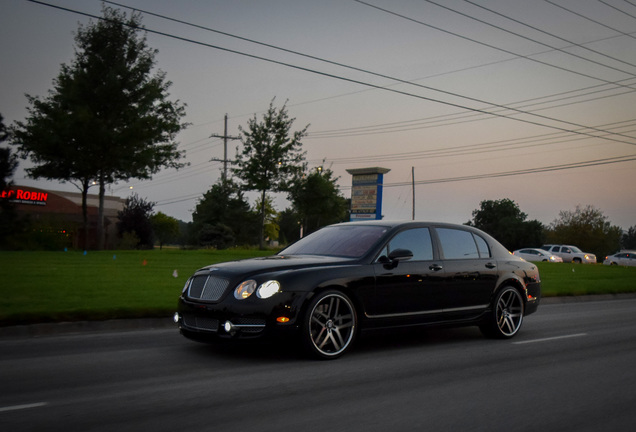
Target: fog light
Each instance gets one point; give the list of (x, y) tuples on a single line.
[(228, 326), (176, 318), (282, 319)]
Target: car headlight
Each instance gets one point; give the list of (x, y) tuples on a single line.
[(245, 289), (268, 289), (185, 287)]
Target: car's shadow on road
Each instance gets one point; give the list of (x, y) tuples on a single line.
[(290, 350), (385, 340)]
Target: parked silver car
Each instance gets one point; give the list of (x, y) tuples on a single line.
[(537, 255), (571, 253), (623, 258)]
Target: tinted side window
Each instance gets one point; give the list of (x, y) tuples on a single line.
[(416, 240), (457, 244), (484, 250)]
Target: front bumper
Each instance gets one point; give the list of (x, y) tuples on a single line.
[(239, 319)]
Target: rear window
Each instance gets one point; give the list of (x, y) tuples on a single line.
[(457, 244)]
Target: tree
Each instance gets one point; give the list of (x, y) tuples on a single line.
[(629, 238), (108, 117), (587, 228), (316, 200), (271, 229), (224, 208), (289, 226), (504, 220), (8, 160), (135, 219), (8, 164), (272, 155), (164, 228), (217, 236)]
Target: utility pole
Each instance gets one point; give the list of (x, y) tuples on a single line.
[(413, 189), (225, 160)]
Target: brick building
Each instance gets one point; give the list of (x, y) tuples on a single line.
[(62, 211)]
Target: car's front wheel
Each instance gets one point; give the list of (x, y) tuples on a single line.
[(330, 325), (506, 316)]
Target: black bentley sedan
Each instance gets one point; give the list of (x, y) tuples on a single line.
[(357, 276)]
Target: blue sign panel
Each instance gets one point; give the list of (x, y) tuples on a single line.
[(366, 193)]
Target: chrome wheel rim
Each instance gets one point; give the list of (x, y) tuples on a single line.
[(332, 325), (509, 312)]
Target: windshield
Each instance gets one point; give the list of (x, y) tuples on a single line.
[(575, 249), (349, 241)]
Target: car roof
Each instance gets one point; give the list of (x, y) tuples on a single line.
[(395, 223)]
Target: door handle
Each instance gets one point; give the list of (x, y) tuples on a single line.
[(491, 265), (435, 267)]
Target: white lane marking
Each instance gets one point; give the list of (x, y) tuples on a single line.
[(21, 407), (550, 338)]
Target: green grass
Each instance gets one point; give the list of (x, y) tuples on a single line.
[(70, 286), (566, 279), (67, 286)]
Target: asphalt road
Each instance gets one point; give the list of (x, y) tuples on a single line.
[(572, 368)]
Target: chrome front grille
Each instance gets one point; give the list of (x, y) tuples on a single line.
[(201, 322), (207, 288)]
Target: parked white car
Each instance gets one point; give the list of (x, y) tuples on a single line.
[(571, 253), (537, 255), (623, 258)]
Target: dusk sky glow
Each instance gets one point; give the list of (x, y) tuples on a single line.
[(532, 100)]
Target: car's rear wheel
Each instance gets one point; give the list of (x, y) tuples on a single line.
[(506, 316), (330, 325)]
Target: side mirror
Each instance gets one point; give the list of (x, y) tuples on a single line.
[(400, 255)]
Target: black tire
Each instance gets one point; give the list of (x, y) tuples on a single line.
[(506, 315), (576, 260), (329, 325)]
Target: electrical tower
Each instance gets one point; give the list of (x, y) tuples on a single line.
[(225, 160)]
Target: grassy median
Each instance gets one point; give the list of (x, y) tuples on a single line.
[(70, 286)]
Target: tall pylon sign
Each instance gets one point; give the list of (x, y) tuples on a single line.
[(366, 193)]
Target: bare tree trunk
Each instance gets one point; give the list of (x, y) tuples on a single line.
[(85, 212), (261, 236), (83, 188), (100, 217)]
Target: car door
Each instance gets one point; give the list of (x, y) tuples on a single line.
[(624, 259), (470, 273), (408, 289)]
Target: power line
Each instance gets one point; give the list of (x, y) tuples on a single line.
[(588, 18), (454, 118), (541, 31), (561, 167), (484, 43), (430, 99), (405, 93), (465, 150)]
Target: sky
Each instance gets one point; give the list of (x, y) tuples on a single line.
[(531, 100)]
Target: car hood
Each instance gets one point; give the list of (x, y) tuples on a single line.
[(275, 263)]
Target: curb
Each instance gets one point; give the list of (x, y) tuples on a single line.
[(68, 328), (118, 325), (586, 298)]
